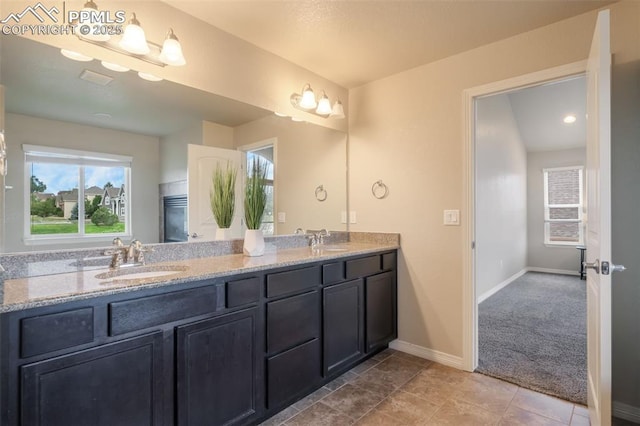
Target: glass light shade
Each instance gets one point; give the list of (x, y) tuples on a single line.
[(172, 51), (133, 40), (324, 106), (308, 99), (114, 67), (95, 33), (75, 55), (337, 111), (148, 77)]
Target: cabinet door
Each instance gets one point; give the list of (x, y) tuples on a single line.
[(343, 307), (115, 384), (381, 317), (217, 370)]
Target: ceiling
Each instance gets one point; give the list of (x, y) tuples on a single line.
[(539, 113), (355, 42), (41, 82)]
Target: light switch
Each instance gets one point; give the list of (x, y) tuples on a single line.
[(343, 217), (352, 217), (282, 217), (452, 217)]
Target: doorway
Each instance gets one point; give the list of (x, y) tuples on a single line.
[(503, 267)]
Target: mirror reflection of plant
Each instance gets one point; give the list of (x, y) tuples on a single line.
[(222, 195), (255, 198)]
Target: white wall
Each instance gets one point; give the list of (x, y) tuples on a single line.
[(306, 156), (22, 129), (501, 194), (541, 256), (173, 152)]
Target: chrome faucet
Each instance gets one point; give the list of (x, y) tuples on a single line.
[(121, 255), (317, 238)]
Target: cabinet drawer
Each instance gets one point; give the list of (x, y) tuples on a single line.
[(48, 333), (292, 281), (145, 312), (388, 261), (292, 321), (332, 272), (242, 292), (293, 372), (362, 267)]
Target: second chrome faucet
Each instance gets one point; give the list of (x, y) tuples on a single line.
[(121, 255)]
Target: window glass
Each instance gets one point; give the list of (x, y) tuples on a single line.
[(75, 194), (265, 155), (563, 206)]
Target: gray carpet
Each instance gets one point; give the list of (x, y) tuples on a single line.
[(534, 333)]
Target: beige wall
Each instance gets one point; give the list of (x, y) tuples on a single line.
[(173, 152), (306, 156), (407, 129), (22, 129), (501, 195), (217, 135), (539, 255)]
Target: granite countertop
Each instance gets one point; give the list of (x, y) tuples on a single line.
[(31, 292)]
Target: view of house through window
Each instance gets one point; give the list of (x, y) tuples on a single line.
[(76, 194), (265, 155), (563, 206)]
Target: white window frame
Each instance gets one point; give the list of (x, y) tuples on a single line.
[(547, 207), (79, 158)]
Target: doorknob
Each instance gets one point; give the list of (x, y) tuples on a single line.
[(610, 267), (595, 266)]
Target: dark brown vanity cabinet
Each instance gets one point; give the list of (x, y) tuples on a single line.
[(343, 306), (217, 370), (115, 384), (224, 351)]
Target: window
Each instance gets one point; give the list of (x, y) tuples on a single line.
[(265, 154), (57, 179), (563, 206)]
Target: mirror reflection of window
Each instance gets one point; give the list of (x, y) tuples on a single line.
[(74, 194), (265, 154)]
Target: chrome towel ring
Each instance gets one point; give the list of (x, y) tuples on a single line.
[(379, 190), (321, 193)]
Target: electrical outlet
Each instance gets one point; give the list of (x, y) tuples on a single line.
[(282, 217), (352, 217), (343, 217)]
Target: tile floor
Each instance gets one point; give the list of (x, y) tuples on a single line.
[(395, 388)]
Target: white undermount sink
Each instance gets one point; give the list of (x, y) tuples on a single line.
[(141, 272)]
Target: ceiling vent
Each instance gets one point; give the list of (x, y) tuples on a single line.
[(95, 78)]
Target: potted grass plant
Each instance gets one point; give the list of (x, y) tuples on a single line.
[(223, 199), (255, 200)]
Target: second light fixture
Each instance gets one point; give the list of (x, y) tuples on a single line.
[(306, 101)]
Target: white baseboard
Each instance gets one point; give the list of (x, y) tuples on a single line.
[(626, 412), (426, 353), (552, 271), (487, 294)]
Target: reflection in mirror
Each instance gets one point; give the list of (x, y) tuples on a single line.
[(97, 114)]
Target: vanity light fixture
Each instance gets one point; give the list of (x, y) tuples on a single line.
[(307, 102), (134, 43), (149, 77), (96, 33), (114, 67), (134, 40), (75, 55)]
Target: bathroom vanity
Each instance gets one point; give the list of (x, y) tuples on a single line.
[(223, 340)]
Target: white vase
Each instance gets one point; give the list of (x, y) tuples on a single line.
[(223, 234), (253, 242)]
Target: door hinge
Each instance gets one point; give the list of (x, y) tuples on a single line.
[(473, 245)]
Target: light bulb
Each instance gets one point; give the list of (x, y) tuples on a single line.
[(133, 40), (308, 100), (95, 31), (172, 51), (324, 106)]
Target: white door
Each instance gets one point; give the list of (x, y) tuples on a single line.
[(599, 224), (201, 162)]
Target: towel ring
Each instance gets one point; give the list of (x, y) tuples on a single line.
[(379, 190), (321, 193)]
